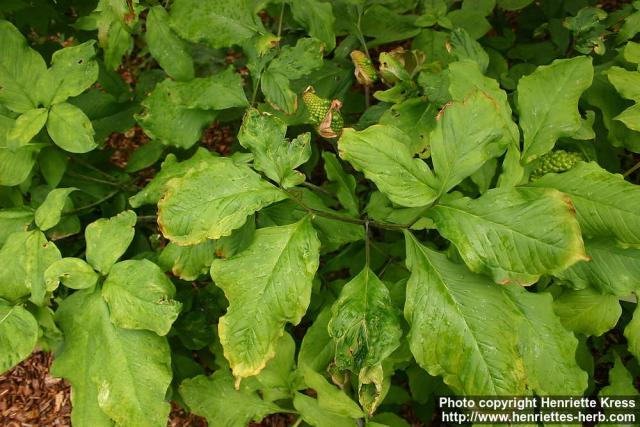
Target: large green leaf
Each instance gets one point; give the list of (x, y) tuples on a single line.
[(108, 239), (467, 134), (23, 260), (271, 279), (315, 415), (276, 156), (216, 399), (587, 311), (140, 296), (70, 128), (605, 203), (317, 18), (172, 54), (501, 233), (463, 326), (330, 397), (345, 183), (220, 24), (548, 103), (632, 333), (364, 325), (20, 69), (49, 212), (73, 70), (171, 168), (18, 335), (611, 269), (382, 154), (547, 348), (115, 374), (194, 210)]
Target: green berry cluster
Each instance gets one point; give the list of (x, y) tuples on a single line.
[(321, 111), (555, 162)]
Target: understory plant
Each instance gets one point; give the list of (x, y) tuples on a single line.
[(336, 211)]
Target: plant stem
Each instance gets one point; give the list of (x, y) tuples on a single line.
[(280, 23), (94, 204), (92, 179), (367, 250), (316, 188), (93, 168), (632, 170)]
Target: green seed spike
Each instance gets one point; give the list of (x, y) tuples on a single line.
[(555, 162), (364, 71), (324, 114)]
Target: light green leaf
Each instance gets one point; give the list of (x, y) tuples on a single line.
[(382, 154), (345, 183), (115, 374), (192, 210), (316, 350), (16, 164), (467, 134), (501, 233), (587, 311), (271, 279), (73, 70), (292, 63), (108, 239), (462, 326), (215, 92), (626, 82), (472, 21), (172, 54), (364, 325), (23, 260), (385, 25), (631, 52), (330, 397), (605, 203), (632, 333), (216, 399), (620, 381), (70, 128), (466, 49), (140, 296), (188, 262), (317, 18), (547, 348), (18, 335), (171, 168), (74, 273), (276, 156), (20, 69), (315, 415), (417, 118), (630, 117), (233, 21), (26, 127), (49, 212), (12, 220), (548, 103), (612, 269), (275, 379)]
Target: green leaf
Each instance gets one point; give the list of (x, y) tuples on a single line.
[(171, 168), (630, 117), (192, 210), (293, 62), (611, 270), (364, 325), (115, 374), (315, 415), (26, 127), (467, 134), (108, 239), (548, 103), (587, 311), (276, 156), (501, 234), (12, 220), (16, 164), (271, 279), (73, 70), (188, 262), (146, 155), (382, 154), (74, 273), (233, 21), (18, 335), (548, 349), (475, 350), (467, 49), (345, 183), (276, 379), (70, 128), (620, 381), (626, 82), (317, 18), (20, 69), (385, 25), (605, 203), (23, 260), (316, 350), (330, 397), (140, 296), (215, 92), (171, 53), (632, 333), (472, 21), (417, 118), (49, 212), (215, 399)]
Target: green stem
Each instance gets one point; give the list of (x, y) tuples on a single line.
[(280, 23), (632, 170), (93, 168), (367, 250), (92, 179), (317, 188), (94, 204)]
